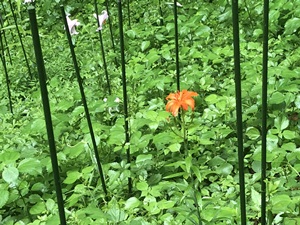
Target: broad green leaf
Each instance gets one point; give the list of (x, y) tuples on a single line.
[(117, 135), (72, 176), (38, 187), (203, 141), (9, 156), (74, 151), (174, 147), (31, 166), (281, 123), (38, 208), (160, 37), (4, 197), (188, 163), (10, 174), (256, 199), (143, 158), (292, 25), (132, 203), (280, 203), (116, 215), (38, 126), (131, 33), (77, 111), (288, 134), (212, 99), (180, 174), (142, 186), (152, 57), (227, 212), (202, 31), (196, 171), (225, 169), (276, 98), (145, 45), (253, 133), (297, 102), (50, 204), (164, 204)]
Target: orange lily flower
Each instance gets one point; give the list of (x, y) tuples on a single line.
[(181, 99)]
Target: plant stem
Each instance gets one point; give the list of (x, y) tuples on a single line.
[(186, 154)]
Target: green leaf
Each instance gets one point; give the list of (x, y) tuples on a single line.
[(253, 133), (281, 123), (225, 169), (174, 147), (280, 203), (188, 163), (288, 134), (131, 33), (256, 199), (74, 151), (145, 45), (197, 173), (116, 215), (50, 204), (72, 176), (30, 166), (132, 203), (10, 174), (164, 204), (4, 197), (143, 158), (276, 98), (9, 156), (212, 99), (297, 102), (142, 186), (38, 126), (292, 25), (180, 174), (152, 57), (38, 208)]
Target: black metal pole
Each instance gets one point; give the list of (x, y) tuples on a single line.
[(126, 117), (264, 111), (20, 38), (111, 32), (102, 49), (6, 73), (5, 40), (84, 102), (128, 13), (176, 46), (47, 111), (239, 113)]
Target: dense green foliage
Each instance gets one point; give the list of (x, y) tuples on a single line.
[(173, 183)]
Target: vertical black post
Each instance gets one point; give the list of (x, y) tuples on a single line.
[(102, 49), (3, 8), (6, 73), (160, 13), (238, 95), (128, 12), (176, 46), (127, 138), (111, 31), (5, 40), (20, 38), (87, 114), (47, 112), (264, 111)]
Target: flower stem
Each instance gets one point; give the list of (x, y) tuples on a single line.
[(186, 154)]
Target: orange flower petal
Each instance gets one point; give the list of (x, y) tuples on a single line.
[(181, 99)]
